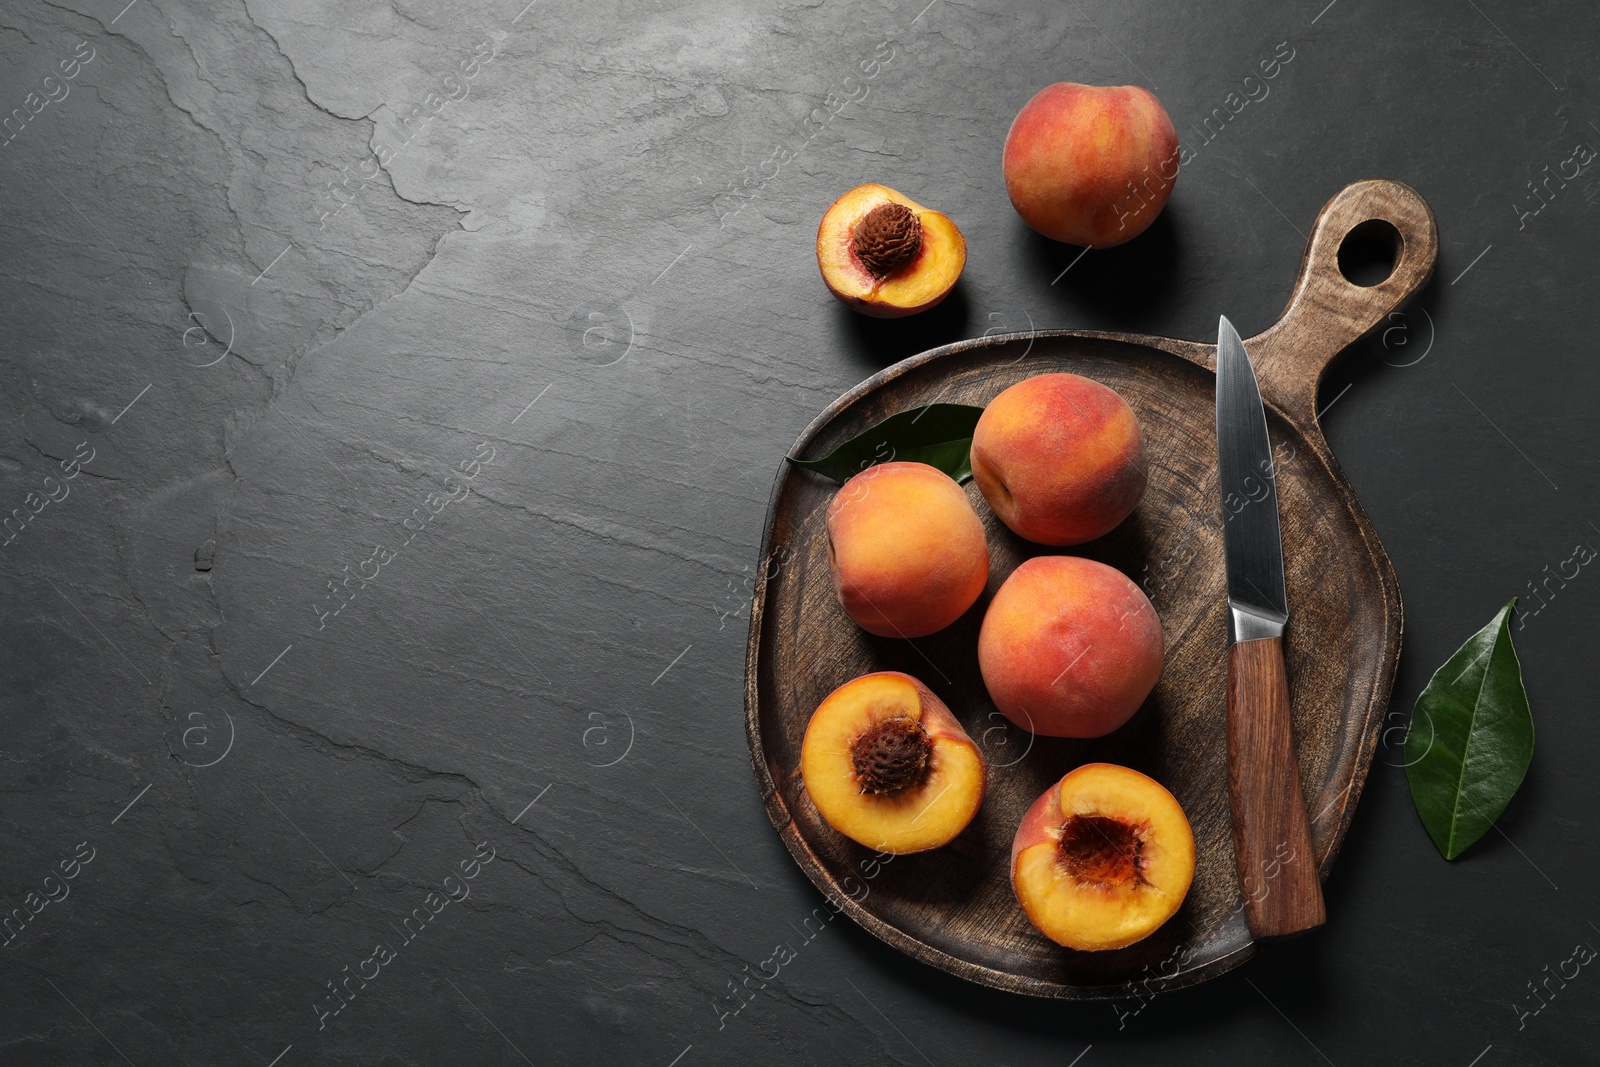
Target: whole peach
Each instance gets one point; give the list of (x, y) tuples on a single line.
[(1091, 165), (906, 550), (1060, 459), (1069, 647)]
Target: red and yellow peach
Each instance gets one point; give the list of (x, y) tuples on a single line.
[(906, 549), (1069, 647), (1091, 165), (1060, 458)]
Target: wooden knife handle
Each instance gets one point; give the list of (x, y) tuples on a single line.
[(1271, 836)]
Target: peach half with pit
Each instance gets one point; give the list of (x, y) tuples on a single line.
[(1102, 858), (888, 765), (906, 549), (886, 255)]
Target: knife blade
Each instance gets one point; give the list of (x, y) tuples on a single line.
[(1258, 606), (1271, 834)]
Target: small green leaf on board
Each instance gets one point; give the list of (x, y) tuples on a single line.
[(1471, 739), (939, 435)]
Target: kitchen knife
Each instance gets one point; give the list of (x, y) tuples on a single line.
[(1271, 835)]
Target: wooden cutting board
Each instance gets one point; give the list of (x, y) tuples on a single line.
[(953, 907)]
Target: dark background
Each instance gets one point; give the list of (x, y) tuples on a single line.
[(267, 793)]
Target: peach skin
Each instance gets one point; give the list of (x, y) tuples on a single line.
[(1069, 647), (888, 765), (906, 550), (1060, 459)]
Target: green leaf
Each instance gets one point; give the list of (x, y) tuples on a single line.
[(1471, 739), (939, 435)]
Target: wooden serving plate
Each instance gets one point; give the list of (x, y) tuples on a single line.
[(953, 907)]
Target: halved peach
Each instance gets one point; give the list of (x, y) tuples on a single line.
[(886, 255), (888, 765), (1102, 859)]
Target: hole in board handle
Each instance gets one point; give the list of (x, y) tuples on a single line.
[(1369, 252)]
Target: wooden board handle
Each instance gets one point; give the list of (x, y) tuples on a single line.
[(1326, 311), (1271, 838)]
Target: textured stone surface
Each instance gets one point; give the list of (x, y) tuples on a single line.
[(318, 314)]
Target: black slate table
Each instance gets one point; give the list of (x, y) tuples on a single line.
[(391, 396)]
